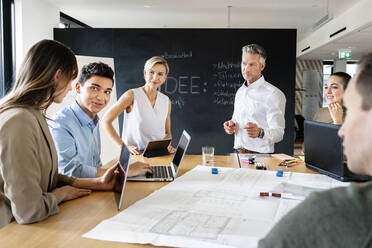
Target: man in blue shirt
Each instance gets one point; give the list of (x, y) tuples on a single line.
[(75, 129)]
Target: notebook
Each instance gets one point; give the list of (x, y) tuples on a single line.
[(324, 152), (167, 172), (157, 148)]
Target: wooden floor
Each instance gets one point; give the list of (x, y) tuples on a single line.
[(298, 147)]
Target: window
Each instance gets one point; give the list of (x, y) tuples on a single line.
[(327, 71), (7, 53), (352, 68), (66, 21)]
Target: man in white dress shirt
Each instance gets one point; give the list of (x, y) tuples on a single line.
[(258, 118)]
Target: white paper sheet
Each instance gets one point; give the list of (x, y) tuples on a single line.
[(201, 209)]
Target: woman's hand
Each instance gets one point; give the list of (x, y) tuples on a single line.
[(171, 149), (138, 168), (67, 193), (337, 113), (133, 150)]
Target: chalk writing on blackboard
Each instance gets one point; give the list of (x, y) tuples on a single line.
[(182, 85), (178, 87), (178, 101), (222, 65), (177, 55), (227, 79)]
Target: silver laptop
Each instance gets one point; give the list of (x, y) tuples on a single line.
[(167, 172), (124, 163)]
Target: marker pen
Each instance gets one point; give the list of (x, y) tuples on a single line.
[(282, 195)]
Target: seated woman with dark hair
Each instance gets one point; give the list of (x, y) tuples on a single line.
[(334, 91)]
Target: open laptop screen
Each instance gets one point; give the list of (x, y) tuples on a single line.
[(124, 162), (124, 157), (323, 147), (180, 151)]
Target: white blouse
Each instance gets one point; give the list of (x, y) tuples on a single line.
[(264, 104), (145, 123)]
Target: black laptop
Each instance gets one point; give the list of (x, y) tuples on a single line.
[(324, 152)]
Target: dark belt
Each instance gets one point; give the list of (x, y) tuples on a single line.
[(242, 150)]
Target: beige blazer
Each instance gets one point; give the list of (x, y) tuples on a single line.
[(323, 115), (28, 167)]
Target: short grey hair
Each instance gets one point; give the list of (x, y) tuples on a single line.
[(154, 61), (255, 49)]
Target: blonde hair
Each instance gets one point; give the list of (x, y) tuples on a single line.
[(154, 61), (35, 86)]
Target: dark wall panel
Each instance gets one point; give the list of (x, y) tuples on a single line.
[(204, 72)]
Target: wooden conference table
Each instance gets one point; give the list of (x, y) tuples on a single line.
[(78, 216)]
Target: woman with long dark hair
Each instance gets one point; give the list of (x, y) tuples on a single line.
[(30, 186)]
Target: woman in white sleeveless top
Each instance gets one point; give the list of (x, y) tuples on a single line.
[(147, 110)]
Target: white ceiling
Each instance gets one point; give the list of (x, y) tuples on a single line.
[(299, 14), (359, 42)]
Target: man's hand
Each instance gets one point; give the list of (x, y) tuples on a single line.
[(337, 112), (138, 168), (100, 172), (252, 130), (111, 179), (229, 127)]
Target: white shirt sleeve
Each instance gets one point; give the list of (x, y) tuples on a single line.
[(275, 118)]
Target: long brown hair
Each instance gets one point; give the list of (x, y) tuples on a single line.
[(35, 86)]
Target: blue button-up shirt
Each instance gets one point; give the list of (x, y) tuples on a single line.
[(77, 141)]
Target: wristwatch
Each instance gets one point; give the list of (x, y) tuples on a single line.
[(261, 134)]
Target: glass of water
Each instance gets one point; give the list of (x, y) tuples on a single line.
[(208, 154)]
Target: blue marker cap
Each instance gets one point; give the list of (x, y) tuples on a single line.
[(214, 171), (279, 173)]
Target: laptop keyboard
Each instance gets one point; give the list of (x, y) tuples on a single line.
[(161, 171)]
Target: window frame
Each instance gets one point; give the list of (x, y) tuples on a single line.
[(7, 45)]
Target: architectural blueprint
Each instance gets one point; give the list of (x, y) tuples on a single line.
[(201, 209)]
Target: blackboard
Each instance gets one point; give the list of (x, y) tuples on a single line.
[(204, 72)]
